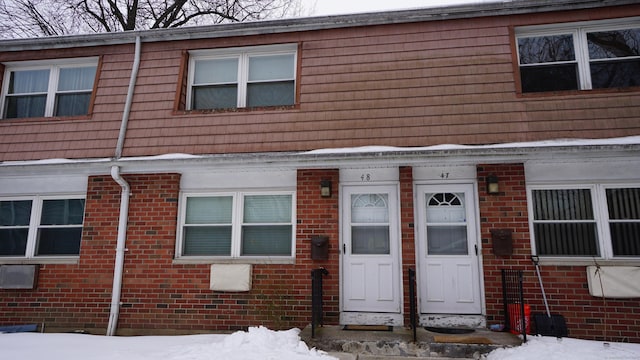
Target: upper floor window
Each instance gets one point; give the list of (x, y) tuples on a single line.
[(41, 226), (233, 225), (242, 77), (37, 89), (579, 57), (593, 221)]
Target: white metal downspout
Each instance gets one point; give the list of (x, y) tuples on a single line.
[(124, 200), (120, 250)]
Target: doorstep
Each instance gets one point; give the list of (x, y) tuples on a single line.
[(399, 342)]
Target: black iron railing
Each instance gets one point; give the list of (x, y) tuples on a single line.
[(513, 300), (316, 298), (413, 308)]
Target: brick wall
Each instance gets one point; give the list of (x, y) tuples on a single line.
[(159, 295), (408, 234), (566, 287)]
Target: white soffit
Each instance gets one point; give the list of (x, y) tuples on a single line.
[(583, 170), (29, 185), (206, 180)]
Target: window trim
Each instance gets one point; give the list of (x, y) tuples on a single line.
[(54, 67), (237, 222), (34, 225), (243, 54), (579, 31), (601, 219)]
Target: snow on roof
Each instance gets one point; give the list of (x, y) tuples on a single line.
[(630, 140), (557, 143)]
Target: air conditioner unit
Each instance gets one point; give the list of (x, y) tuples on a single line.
[(18, 276)]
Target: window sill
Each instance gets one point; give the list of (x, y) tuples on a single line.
[(237, 110), (588, 262), (39, 261), (247, 260)]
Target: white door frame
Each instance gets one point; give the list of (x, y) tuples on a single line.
[(372, 317), (473, 320)]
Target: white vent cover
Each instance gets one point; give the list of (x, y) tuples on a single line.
[(618, 282), (231, 277)]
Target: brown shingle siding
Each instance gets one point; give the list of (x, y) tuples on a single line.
[(414, 84)]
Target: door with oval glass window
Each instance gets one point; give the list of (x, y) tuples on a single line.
[(370, 264), (449, 279)]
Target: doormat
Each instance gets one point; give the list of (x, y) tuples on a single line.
[(462, 339), (368, 328), (449, 330)]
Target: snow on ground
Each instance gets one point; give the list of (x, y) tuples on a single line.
[(550, 348), (257, 343), (261, 343)]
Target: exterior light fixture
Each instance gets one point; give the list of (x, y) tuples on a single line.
[(492, 184), (325, 188)]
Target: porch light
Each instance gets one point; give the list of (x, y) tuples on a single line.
[(325, 188), (492, 184)]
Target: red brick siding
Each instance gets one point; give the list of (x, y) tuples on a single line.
[(587, 317), (75, 296), (319, 216), (407, 234), (158, 294)]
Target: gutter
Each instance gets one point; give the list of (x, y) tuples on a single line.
[(426, 14), (124, 200)]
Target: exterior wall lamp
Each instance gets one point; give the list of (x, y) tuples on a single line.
[(492, 184), (325, 188)]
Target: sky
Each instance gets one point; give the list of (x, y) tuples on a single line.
[(334, 7), (260, 343)]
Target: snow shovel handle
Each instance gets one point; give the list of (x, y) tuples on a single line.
[(535, 260)]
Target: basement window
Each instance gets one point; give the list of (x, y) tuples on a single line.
[(261, 76), (40, 227), (46, 89), (581, 56)]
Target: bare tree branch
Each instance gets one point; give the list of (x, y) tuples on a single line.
[(33, 18)]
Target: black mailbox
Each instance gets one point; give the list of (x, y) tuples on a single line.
[(319, 247)]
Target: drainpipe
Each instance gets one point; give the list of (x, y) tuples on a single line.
[(120, 250), (124, 200)]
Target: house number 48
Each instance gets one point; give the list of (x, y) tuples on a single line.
[(365, 177)]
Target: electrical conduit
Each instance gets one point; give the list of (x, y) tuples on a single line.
[(124, 200)]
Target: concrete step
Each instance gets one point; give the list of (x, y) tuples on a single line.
[(398, 344), (349, 356)]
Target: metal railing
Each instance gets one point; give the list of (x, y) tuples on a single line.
[(316, 298), (513, 300), (413, 308)]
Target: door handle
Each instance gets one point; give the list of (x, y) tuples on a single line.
[(476, 247), (344, 248)]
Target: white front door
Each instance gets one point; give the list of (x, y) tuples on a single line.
[(370, 264), (448, 278)]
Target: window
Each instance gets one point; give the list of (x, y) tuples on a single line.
[(244, 77), (592, 221), (36, 89), (237, 225), (38, 227), (581, 57)]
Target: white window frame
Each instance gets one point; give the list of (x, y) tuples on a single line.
[(601, 219), (242, 54), (54, 67), (237, 222), (579, 34), (34, 226)]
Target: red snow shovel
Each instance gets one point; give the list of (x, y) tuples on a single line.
[(547, 324)]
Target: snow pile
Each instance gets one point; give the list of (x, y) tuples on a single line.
[(257, 343), (550, 348)]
